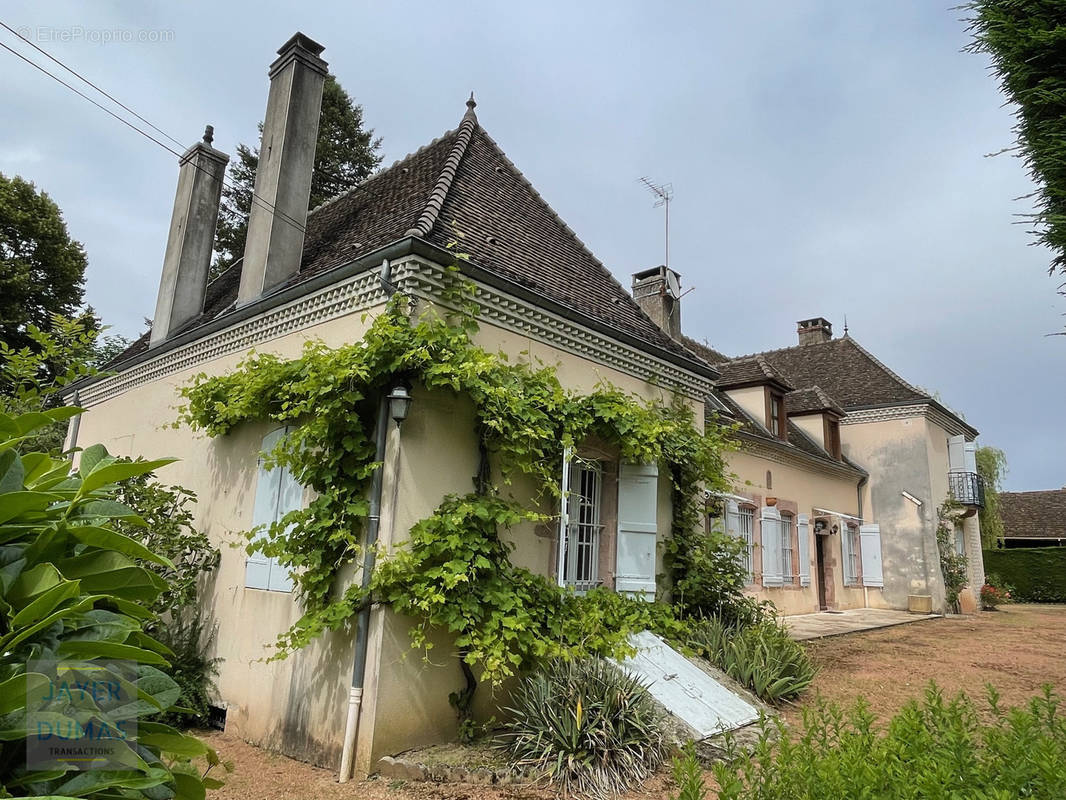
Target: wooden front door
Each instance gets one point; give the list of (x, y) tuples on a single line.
[(819, 542)]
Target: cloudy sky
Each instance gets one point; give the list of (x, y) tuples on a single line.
[(827, 158)]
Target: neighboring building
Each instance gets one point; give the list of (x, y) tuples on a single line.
[(851, 421), (1033, 519), (543, 297)]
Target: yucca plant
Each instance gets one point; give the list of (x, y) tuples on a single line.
[(587, 726), (762, 657)]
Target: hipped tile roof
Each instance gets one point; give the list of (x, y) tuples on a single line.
[(1033, 515), (460, 188), (811, 400)]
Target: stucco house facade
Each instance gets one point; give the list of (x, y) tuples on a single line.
[(877, 456), (323, 274), (830, 518)]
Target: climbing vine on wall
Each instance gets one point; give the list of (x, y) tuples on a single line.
[(952, 563), (454, 572)]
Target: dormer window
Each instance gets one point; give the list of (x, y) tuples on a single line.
[(832, 437), (775, 413)]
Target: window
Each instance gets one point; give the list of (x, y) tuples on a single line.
[(746, 528), (832, 437), (776, 415), (849, 546), (960, 539), (581, 559), (277, 493), (786, 548)]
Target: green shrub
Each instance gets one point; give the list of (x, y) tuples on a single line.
[(762, 657), (587, 726), (933, 749), (1035, 574), (688, 775), (184, 634), (75, 591)]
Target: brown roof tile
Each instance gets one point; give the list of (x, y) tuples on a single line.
[(1034, 515), (460, 187), (750, 370), (845, 371), (811, 400)]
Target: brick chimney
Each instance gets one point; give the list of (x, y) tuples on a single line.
[(658, 293), (814, 331), (192, 236), (276, 223)]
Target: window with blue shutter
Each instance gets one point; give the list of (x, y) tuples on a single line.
[(770, 528), (276, 493), (870, 538), (638, 500), (803, 529)]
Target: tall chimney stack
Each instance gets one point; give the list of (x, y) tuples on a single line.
[(658, 293), (191, 239), (814, 331), (276, 223)]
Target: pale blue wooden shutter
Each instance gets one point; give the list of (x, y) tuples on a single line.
[(770, 527), (870, 548), (290, 498), (264, 512), (638, 496), (803, 529), (957, 453)]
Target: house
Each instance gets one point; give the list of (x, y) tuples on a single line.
[(796, 496), (316, 275), (833, 399), (1033, 519), (842, 469)]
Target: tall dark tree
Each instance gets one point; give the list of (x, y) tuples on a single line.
[(1026, 40), (345, 154), (42, 269)]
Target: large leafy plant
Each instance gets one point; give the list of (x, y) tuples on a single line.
[(73, 589)]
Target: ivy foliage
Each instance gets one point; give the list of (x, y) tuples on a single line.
[(952, 563), (454, 572)]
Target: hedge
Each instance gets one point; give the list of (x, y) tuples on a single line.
[(1036, 574)]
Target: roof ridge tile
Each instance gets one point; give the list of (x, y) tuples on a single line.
[(431, 212)]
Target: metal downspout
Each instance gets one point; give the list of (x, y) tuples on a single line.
[(858, 492), (362, 627)]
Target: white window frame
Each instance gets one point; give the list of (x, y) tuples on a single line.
[(787, 524), (960, 539), (584, 529), (850, 554)]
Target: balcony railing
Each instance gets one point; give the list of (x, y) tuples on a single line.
[(967, 488)]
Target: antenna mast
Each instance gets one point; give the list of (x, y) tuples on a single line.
[(664, 192)]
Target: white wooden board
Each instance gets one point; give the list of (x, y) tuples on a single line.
[(684, 689)]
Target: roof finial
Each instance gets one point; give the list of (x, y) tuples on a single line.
[(845, 324), (471, 104), (209, 134)]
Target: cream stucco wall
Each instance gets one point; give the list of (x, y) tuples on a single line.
[(800, 488), (298, 705), (908, 455), (812, 425), (753, 400)]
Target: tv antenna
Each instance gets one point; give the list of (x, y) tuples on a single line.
[(664, 193)]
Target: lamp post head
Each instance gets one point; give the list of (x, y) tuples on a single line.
[(399, 403)]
